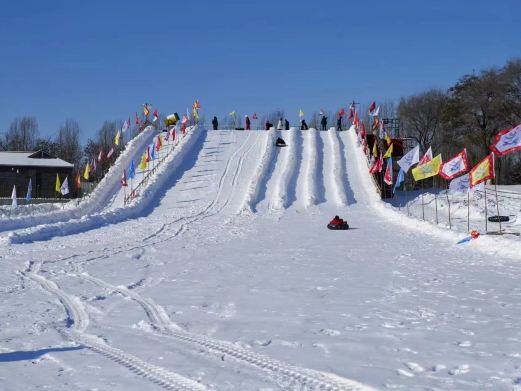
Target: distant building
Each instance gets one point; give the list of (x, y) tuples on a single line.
[(17, 167)]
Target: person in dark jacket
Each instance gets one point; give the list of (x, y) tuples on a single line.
[(268, 125), (248, 123), (286, 124), (339, 124), (303, 125), (215, 123), (323, 122)]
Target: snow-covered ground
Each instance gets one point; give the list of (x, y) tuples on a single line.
[(221, 275)]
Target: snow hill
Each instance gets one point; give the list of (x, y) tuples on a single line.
[(221, 275)]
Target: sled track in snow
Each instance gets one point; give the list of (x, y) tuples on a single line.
[(312, 379), (79, 321)]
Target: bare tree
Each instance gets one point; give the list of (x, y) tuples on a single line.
[(68, 142), (22, 134), (421, 116)]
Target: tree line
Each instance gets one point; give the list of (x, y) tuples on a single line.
[(23, 135), (468, 115)]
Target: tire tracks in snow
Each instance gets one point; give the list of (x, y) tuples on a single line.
[(158, 318), (333, 170), (77, 323)]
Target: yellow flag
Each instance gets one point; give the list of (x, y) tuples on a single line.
[(116, 139), (232, 113), (389, 151), (58, 187), (143, 163), (482, 171), (146, 110), (375, 150), (427, 170), (388, 138), (196, 114), (86, 172), (300, 113)]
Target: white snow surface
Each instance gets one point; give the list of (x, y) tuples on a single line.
[(221, 275)]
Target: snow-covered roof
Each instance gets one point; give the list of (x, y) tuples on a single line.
[(31, 159)]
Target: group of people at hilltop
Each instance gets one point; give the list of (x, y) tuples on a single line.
[(283, 124)]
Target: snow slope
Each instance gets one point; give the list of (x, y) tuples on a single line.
[(222, 276)]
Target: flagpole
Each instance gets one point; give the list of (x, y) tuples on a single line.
[(448, 201), (468, 210), (486, 212), (497, 201), (436, 205), (423, 207)]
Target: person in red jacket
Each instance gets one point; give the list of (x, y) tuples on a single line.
[(248, 123), (337, 221)]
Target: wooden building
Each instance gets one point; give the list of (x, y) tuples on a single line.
[(17, 167)]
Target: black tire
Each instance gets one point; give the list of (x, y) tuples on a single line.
[(497, 219), (338, 227)]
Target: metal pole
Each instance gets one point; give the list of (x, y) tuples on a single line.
[(468, 210), (448, 202), (436, 205), (423, 208), (497, 207), (486, 212)]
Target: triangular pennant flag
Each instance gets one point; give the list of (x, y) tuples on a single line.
[(64, 189), (14, 204), (389, 152), (123, 179), (58, 185), (388, 176), (29, 194), (131, 170), (86, 172)]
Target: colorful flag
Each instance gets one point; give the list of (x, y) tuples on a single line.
[(137, 119), (146, 109), (427, 157), (29, 194), (123, 179), (196, 114), (388, 176), (143, 163), (14, 204), (459, 185), (100, 155), (388, 139), (155, 116), (148, 157), (341, 113), (377, 165), (125, 126), (375, 150), (159, 144), (507, 140), (389, 152), (375, 113), (131, 170), (427, 170), (185, 119), (399, 180), (362, 131), (152, 153), (372, 107), (300, 113), (111, 151), (482, 171), (167, 135), (78, 180), (375, 124), (356, 120), (455, 166), (173, 134), (116, 139), (409, 159), (351, 114), (86, 172), (64, 189), (58, 184)]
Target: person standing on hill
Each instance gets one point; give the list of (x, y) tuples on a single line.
[(323, 122), (303, 125), (268, 125), (339, 124), (286, 124), (215, 123), (248, 122), (279, 125)]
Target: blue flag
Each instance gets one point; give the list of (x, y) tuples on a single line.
[(29, 194), (153, 153), (131, 172), (399, 180)]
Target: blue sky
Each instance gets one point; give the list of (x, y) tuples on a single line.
[(100, 60)]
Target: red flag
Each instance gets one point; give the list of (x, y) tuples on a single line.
[(148, 158), (183, 129), (455, 166), (388, 176), (173, 134), (78, 181), (362, 131), (137, 119), (372, 107), (155, 115), (123, 178), (140, 124), (377, 166), (351, 114), (341, 112), (159, 144), (507, 140)]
